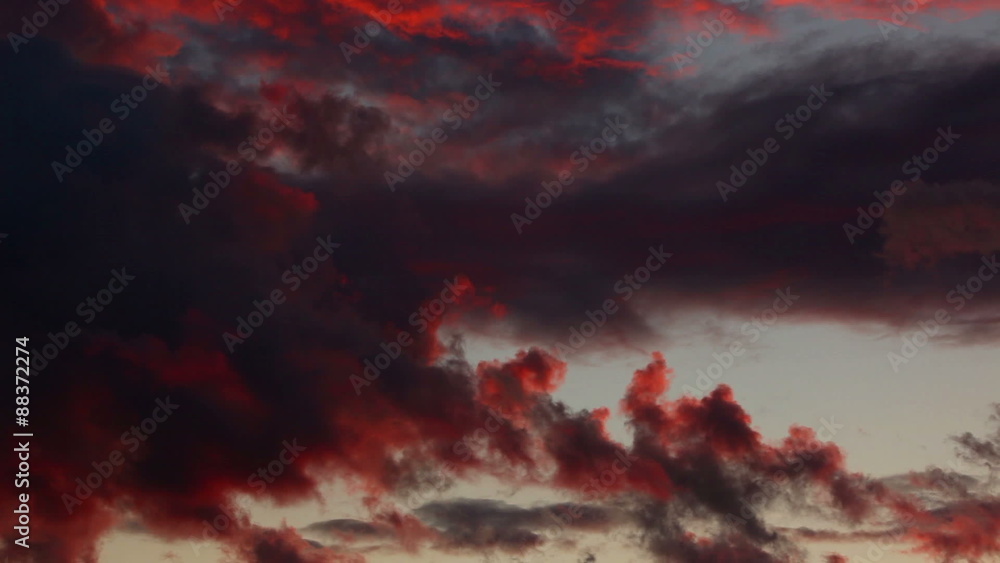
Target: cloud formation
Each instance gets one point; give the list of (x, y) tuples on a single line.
[(696, 478)]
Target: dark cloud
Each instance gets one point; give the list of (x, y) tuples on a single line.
[(479, 523), (347, 527), (295, 378)]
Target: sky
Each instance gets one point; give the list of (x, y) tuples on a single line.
[(505, 281)]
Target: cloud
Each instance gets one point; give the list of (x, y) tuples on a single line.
[(689, 463)]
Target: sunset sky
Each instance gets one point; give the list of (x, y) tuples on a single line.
[(530, 280)]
